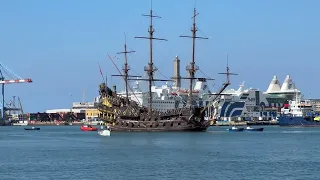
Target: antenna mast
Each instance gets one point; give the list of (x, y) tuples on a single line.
[(126, 68), (150, 68), (192, 68)]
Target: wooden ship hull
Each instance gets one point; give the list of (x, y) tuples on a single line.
[(132, 118), (156, 127), (173, 125), (169, 124)]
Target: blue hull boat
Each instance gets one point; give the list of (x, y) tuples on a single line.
[(32, 128), (298, 121), (299, 113), (235, 129)]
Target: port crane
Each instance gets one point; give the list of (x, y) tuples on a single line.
[(10, 78)]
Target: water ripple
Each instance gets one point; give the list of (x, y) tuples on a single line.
[(68, 153)]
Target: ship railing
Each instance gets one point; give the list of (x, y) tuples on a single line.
[(113, 99)]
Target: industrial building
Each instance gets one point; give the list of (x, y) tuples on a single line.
[(81, 110)]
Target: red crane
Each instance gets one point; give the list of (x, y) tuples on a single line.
[(7, 76)]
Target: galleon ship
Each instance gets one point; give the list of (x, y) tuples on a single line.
[(125, 114)]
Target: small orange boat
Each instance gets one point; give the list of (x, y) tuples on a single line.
[(88, 128)]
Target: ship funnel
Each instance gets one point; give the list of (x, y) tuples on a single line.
[(274, 85), (176, 72)]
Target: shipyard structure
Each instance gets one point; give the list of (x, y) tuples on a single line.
[(85, 112)]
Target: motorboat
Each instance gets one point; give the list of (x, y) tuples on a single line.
[(235, 129), (248, 128), (32, 128), (104, 132), (88, 128)]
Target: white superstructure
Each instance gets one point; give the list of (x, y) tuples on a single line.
[(297, 107), (243, 104), (168, 97), (274, 85), (249, 104), (287, 87)]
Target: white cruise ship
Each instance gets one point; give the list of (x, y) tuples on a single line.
[(243, 104), (253, 104), (168, 97)]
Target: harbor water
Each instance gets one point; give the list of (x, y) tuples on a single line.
[(65, 152)]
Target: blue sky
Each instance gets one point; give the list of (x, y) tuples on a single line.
[(59, 43)]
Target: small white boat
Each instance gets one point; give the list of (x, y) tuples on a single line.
[(253, 129), (104, 132), (20, 123), (235, 129)]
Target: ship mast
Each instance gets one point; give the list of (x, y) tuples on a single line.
[(126, 68), (150, 69), (192, 67), (225, 85)]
